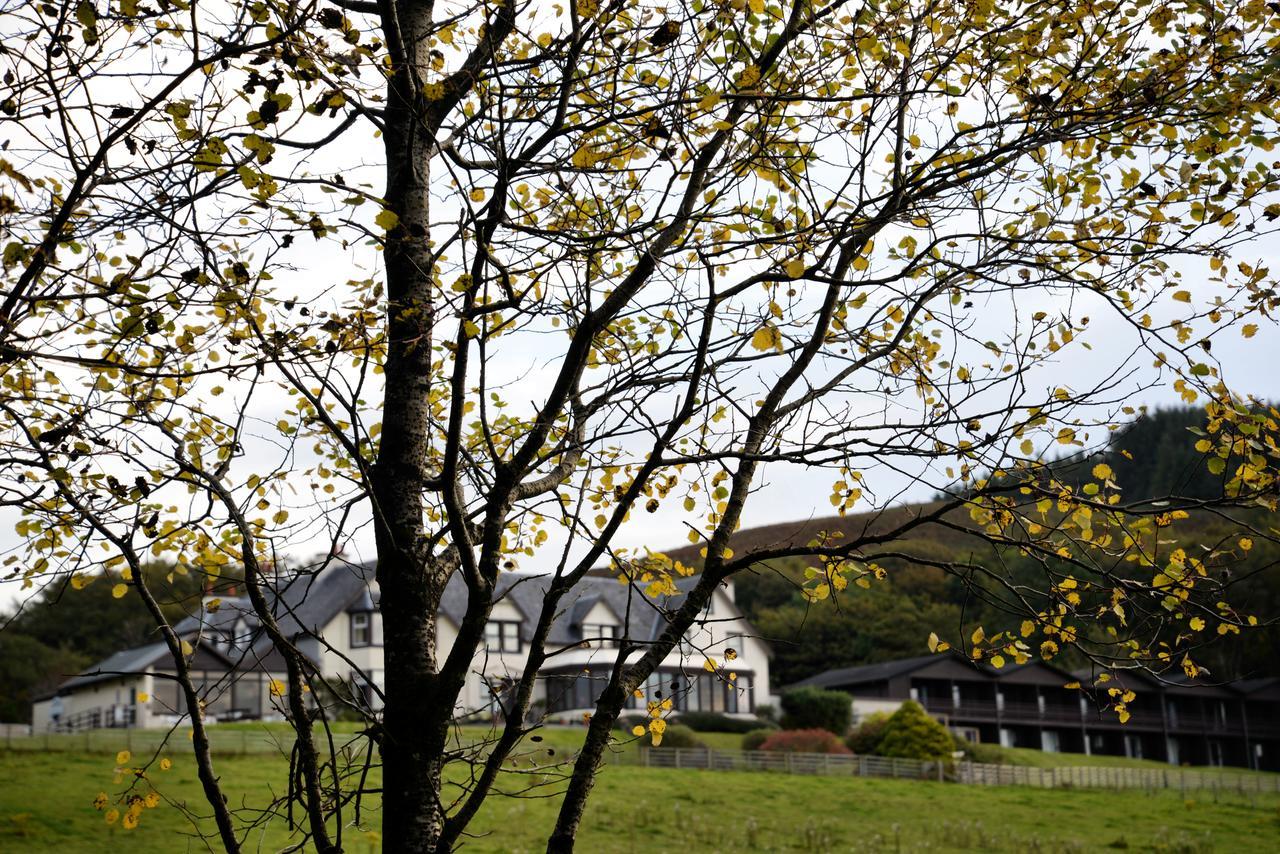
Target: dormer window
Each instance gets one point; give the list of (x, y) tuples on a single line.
[(600, 634), (502, 636)]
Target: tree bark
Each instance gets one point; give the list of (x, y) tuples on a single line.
[(414, 727)]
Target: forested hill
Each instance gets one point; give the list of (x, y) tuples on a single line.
[(1153, 457)]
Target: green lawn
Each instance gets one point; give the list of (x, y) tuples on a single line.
[(46, 805)]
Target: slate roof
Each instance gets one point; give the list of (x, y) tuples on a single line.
[(303, 604), (867, 672), (127, 661)]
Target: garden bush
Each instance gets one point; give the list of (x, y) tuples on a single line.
[(757, 737), (910, 733), (716, 722), (804, 741), (992, 754), (814, 708), (866, 736)]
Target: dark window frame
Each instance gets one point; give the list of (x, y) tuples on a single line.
[(368, 629), (596, 632), (507, 636)]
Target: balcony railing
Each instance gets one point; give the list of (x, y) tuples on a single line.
[(1032, 713)]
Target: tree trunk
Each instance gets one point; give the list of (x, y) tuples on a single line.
[(415, 720)]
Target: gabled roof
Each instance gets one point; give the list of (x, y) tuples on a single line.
[(130, 661), (305, 603), (229, 610), (868, 672)]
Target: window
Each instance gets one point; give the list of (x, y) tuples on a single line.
[(502, 636), (365, 687), (361, 628), (602, 634)]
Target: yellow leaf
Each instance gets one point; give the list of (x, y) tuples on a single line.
[(978, 636), (123, 756), (1124, 716), (280, 517), (1249, 330), (187, 648), (748, 77), (387, 220), (933, 641), (997, 661), (767, 338), (709, 665), (795, 268), (1182, 296), (477, 195), (119, 591)]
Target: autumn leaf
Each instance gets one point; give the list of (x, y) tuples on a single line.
[(767, 338)]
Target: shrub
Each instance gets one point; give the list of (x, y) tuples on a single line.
[(865, 738), (910, 733), (804, 741), (814, 708), (757, 737), (716, 722), (992, 754), (678, 736)]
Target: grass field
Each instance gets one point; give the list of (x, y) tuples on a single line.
[(46, 805)]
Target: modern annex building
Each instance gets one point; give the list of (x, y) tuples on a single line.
[(1029, 706), (332, 617)]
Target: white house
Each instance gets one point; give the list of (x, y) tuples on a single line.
[(722, 665)]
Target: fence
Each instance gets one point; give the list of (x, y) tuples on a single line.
[(256, 742), (1107, 777), (226, 742), (971, 773), (826, 764)]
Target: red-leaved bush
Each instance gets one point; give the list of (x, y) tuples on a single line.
[(805, 741)]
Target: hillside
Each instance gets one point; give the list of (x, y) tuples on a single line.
[(1152, 458)]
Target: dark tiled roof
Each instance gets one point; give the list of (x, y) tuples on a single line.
[(303, 604), (867, 672), (129, 661)]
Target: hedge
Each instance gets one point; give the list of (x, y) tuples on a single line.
[(814, 708)]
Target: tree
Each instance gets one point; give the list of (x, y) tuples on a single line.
[(493, 278)]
